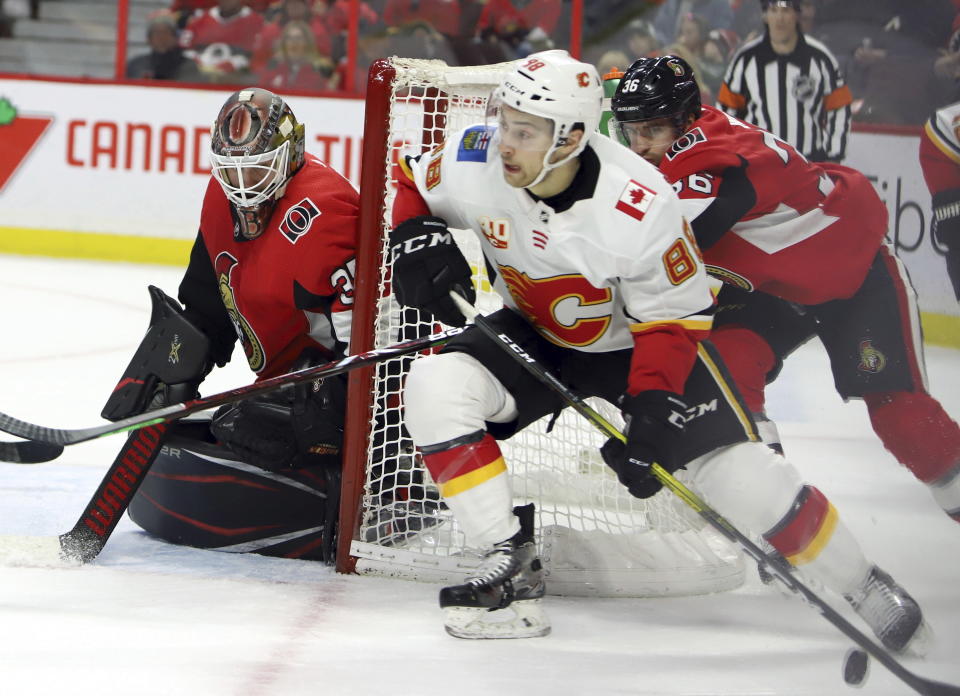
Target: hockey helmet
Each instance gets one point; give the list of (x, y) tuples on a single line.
[(552, 85), (256, 147), (661, 87), (791, 4)]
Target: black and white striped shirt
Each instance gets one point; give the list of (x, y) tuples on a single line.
[(800, 97)]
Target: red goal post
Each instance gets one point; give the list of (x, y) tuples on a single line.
[(595, 539)]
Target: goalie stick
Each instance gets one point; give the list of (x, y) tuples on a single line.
[(781, 570), (89, 535), (174, 412), (29, 452)]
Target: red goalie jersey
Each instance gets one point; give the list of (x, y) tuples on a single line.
[(767, 219), (287, 290)]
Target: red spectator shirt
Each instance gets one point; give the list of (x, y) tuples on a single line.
[(292, 287), (767, 219), (209, 27), (285, 75), (442, 15), (265, 44), (502, 16), (337, 15)]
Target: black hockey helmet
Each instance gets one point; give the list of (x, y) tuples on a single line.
[(792, 4), (661, 87)]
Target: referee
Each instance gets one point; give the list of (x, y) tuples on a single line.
[(790, 85)]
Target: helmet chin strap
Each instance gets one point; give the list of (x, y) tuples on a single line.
[(548, 166)]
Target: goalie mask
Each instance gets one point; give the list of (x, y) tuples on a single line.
[(554, 86), (256, 147)]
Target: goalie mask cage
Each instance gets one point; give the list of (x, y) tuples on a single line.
[(594, 538)]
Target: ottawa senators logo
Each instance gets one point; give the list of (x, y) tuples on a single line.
[(871, 359), (685, 142), (298, 220), (676, 67), (566, 309), (252, 347), (728, 276)]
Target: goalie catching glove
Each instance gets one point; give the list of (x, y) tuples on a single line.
[(291, 428), (427, 265), (654, 428)]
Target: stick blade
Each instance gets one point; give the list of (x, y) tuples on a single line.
[(32, 551), (29, 452)]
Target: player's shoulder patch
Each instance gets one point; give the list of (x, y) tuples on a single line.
[(686, 142), (298, 219), (474, 143), (635, 199), (433, 172)]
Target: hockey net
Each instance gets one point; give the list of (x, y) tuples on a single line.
[(594, 538)]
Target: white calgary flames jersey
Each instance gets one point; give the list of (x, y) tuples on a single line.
[(609, 258)]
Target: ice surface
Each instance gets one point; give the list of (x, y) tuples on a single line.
[(149, 618)]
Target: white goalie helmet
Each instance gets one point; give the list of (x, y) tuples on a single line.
[(256, 146), (553, 85)]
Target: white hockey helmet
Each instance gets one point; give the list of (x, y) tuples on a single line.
[(256, 146), (552, 85)]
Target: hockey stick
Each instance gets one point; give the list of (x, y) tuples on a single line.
[(782, 571), (29, 452), (100, 517), (174, 412), (89, 535)]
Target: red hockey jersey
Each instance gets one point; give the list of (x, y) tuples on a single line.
[(292, 287), (767, 219)]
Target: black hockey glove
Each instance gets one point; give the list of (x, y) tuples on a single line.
[(291, 428), (654, 429), (427, 265), (946, 213)]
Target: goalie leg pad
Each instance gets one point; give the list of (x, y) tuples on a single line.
[(199, 494)]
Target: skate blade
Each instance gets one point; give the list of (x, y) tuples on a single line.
[(522, 619)]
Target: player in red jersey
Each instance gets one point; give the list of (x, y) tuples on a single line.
[(806, 241), (272, 267)]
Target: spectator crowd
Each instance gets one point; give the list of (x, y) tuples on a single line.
[(897, 59)]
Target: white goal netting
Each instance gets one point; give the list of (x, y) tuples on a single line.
[(595, 539)]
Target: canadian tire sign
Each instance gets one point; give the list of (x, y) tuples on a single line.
[(18, 135)]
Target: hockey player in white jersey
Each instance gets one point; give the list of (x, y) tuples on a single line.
[(603, 284)]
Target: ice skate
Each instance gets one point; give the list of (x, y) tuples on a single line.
[(502, 598), (891, 612)]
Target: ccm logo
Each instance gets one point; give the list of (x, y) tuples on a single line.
[(422, 241), (693, 412)]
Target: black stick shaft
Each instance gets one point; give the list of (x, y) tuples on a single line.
[(174, 412), (782, 572)]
